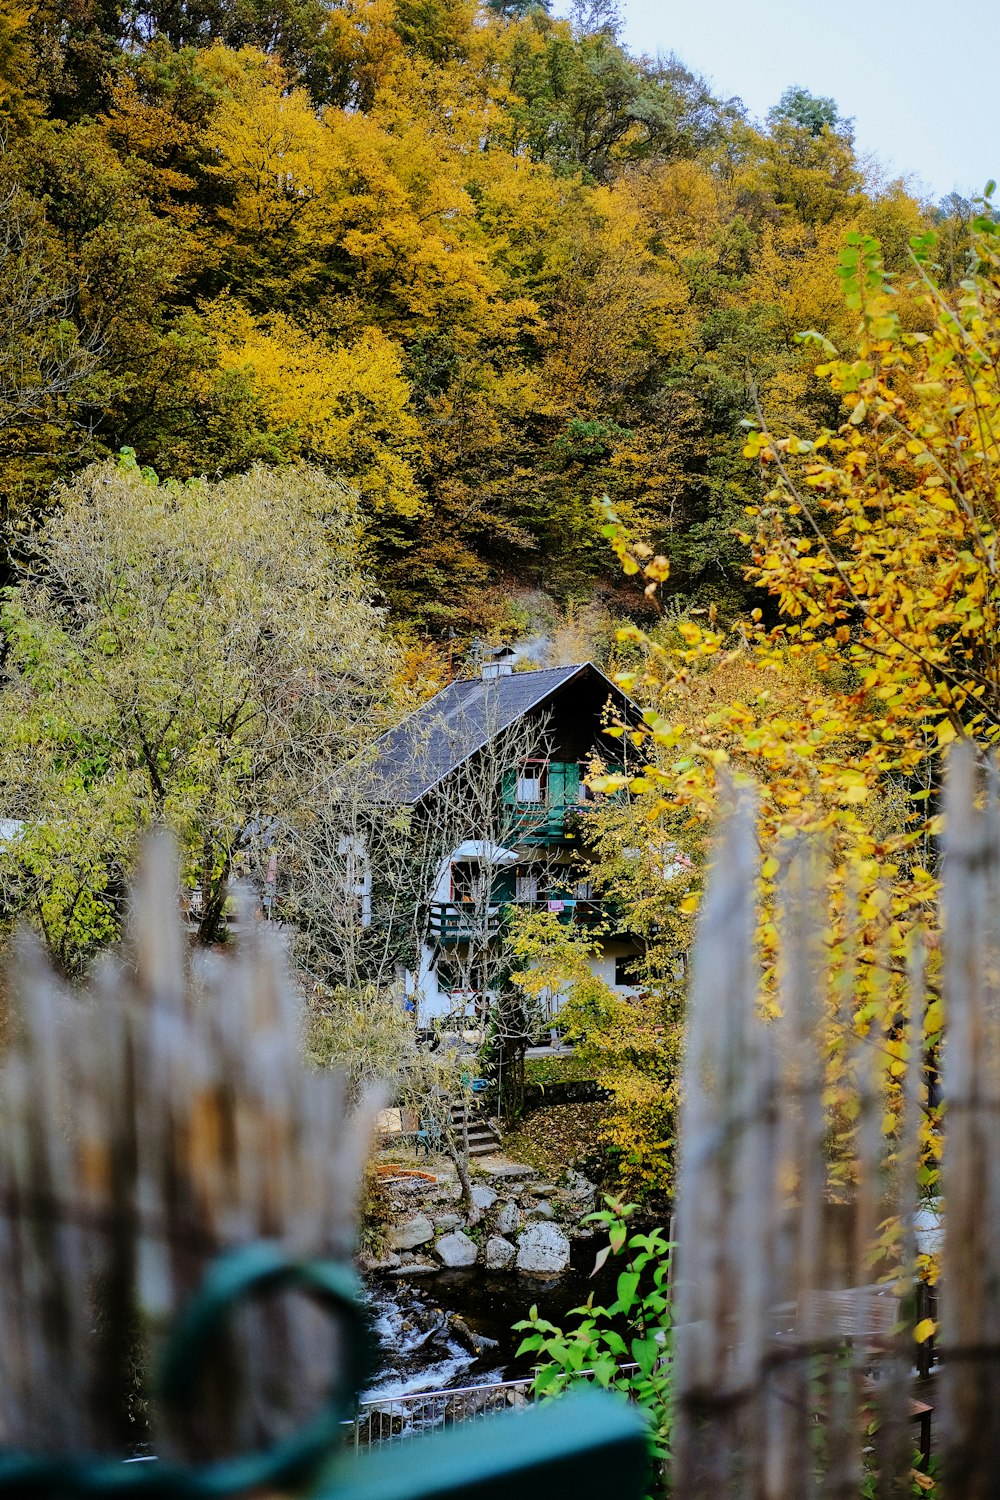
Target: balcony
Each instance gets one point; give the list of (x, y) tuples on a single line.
[(541, 797), (583, 911), (463, 922)]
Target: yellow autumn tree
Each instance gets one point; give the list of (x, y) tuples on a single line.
[(345, 405), (876, 543), (272, 161)]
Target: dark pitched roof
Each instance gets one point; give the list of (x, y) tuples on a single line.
[(459, 720)]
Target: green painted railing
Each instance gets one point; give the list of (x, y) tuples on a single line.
[(458, 922), (255, 1270)]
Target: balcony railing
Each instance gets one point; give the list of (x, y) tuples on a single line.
[(463, 922), (543, 823), (563, 795), (584, 910)]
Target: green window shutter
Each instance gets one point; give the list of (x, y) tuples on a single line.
[(572, 784), (557, 784), (510, 787)]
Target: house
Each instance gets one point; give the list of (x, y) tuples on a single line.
[(501, 760)]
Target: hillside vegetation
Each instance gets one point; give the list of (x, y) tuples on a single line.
[(340, 332), (478, 261)]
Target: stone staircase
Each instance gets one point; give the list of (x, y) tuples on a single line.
[(483, 1139)]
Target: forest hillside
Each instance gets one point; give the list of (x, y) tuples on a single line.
[(343, 336), (477, 261)]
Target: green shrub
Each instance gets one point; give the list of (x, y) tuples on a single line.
[(624, 1346)]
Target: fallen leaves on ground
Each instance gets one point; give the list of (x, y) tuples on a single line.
[(554, 1138)]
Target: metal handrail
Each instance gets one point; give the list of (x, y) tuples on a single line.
[(406, 1415), (382, 1419)]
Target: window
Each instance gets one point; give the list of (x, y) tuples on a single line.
[(532, 781), (526, 885), (467, 885), (529, 785), (625, 971)]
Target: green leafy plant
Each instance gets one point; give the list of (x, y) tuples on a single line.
[(624, 1346)]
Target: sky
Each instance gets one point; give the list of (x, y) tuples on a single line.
[(918, 78)]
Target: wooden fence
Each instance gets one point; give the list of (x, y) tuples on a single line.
[(795, 1350), (160, 1118), (165, 1115)]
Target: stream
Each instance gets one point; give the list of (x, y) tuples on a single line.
[(415, 1345)]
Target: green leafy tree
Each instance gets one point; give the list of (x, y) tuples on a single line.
[(581, 102), (515, 9), (631, 1042), (45, 362), (193, 655), (809, 111)]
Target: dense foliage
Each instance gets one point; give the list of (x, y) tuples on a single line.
[(875, 545), (479, 262), (624, 1346), (391, 292), (197, 655)]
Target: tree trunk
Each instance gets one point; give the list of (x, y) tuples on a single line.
[(459, 1153)]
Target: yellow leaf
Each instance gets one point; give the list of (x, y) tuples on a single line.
[(925, 1329)]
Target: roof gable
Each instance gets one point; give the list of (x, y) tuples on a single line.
[(462, 718)]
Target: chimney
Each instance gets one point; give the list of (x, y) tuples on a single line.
[(497, 661)]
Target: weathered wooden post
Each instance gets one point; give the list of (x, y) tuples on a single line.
[(795, 1353), (170, 1172)]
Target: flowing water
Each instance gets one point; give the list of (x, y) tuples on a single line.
[(416, 1345)]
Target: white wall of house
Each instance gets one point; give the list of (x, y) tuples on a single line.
[(433, 1003), (431, 1000), (603, 965)]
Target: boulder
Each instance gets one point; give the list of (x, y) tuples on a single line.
[(483, 1197), (412, 1232), (456, 1249), (542, 1249), (385, 1262), (508, 1218), (507, 1169), (575, 1185), (500, 1253), (447, 1221), (542, 1210)]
